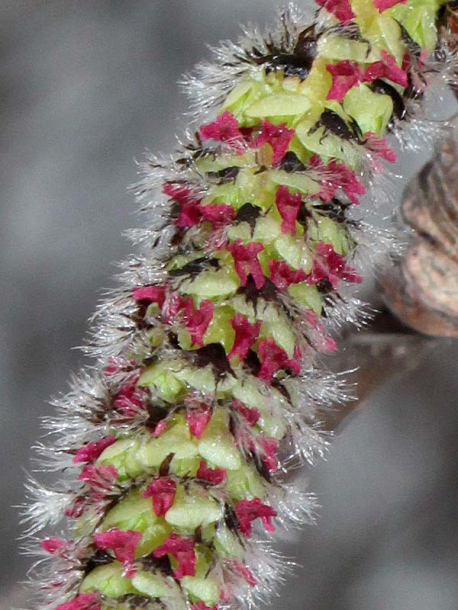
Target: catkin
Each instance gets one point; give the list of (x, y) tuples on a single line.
[(205, 385)]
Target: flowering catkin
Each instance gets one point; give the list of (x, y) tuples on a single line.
[(205, 387)]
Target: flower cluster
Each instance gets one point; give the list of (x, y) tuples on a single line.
[(205, 388)]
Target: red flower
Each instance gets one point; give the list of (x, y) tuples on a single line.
[(246, 262), (282, 276), (160, 428), (84, 601), (250, 415), (244, 572), (177, 304), (90, 452), (98, 477), (335, 176), (341, 9), (163, 492), (318, 339), (101, 481), (331, 266), (219, 214), (383, 5), (345, 75), (380, 147), (269, 452), (53, 546), (288, 207), (249, 510), (278, 136), (386, 68), (246, 335), (123, 545), (215, 476), (413, 65), (198, 419), (199, 321), (348, 182), (129, 399), (201, 606), (77, 507), (190, 213), (182, 549), (224, 129), (273, 358), (150, 294)]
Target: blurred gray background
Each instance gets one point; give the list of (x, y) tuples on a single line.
[(85, 88)]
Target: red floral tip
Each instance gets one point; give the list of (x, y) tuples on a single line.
[(160, 428), (347, 180), (329, 345), (150, 294), (386, 68), (201, 606), (128, 400), (117, 366), (318, 339), (288, 207), (246, 262), (163, 492), (76, 509), (273, 358), (335, 176), (190, 213), (224, 129), (249, 510), (189, 216), (269, 448), (198, 323), (345, 75), (100, 480), (251, 416), (84, 601), (282, 276), (383, 5), (112, 369), (178, 192), (215, 476), (198, 419), (129, 385), (219, 214), (98, 476), (341, 9), (123, 545), (298, 353), (175, 305), (90, 452), (328, 185), (413, 65), (278, 136), (53, 546), (331, 266), (380, 147), (244, 572), (246, 335), (182, 549)]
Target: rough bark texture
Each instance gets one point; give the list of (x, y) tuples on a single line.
[(422, 288)]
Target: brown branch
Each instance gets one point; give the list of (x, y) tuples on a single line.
[(422, 288)]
